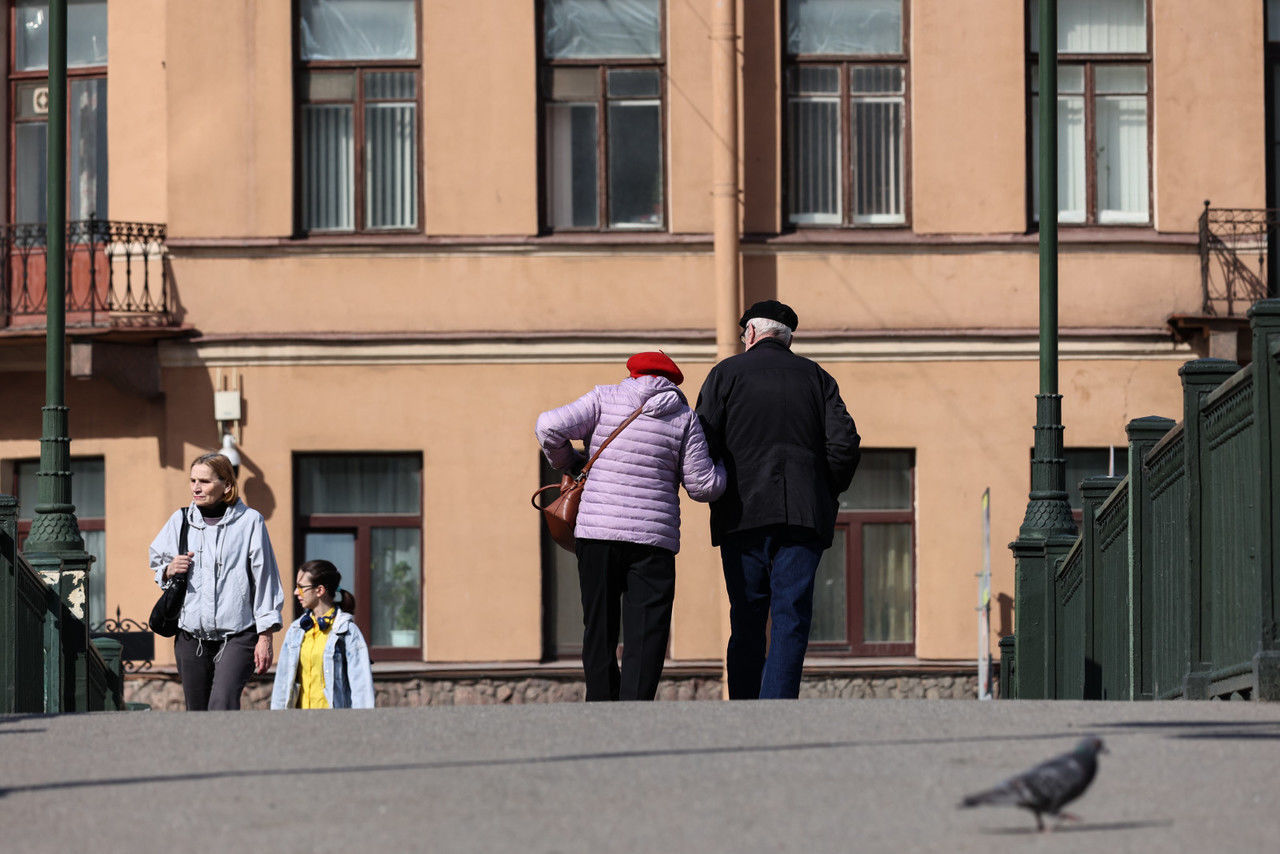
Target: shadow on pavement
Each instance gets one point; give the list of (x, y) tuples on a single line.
[(1078, 828), (1205, 729), (525, 760)]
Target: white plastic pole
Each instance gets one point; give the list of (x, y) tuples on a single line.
[(984, 603)]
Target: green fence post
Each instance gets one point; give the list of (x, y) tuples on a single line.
[(1199, 377), (1143, 433), (1093, 491), (1264, 319), (1008, 668), (8, 604), (110, 649), (1035, 612)]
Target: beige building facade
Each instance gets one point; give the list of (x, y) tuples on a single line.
[(395, 232)]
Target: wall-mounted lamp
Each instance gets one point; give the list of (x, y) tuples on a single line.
[(229, 451), (227, 412)]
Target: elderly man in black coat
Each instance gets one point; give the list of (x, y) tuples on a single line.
[(790, 447)]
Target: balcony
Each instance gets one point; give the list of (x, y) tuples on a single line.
[(117, 277), (1236, 246), (120, 300)]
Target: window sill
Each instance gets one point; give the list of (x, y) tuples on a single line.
[(1127, 235), (1074, 236)]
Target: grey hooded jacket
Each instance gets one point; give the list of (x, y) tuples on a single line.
[(234, 583)]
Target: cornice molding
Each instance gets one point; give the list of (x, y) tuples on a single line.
[(283, 349)]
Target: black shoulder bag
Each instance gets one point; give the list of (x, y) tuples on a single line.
[(164, 616)]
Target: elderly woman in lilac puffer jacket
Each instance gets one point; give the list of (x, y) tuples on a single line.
[(628, 528)]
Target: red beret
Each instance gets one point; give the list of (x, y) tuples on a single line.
[(656, 364)]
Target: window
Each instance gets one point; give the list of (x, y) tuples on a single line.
[(561, 595), (1104, 85), (1091, 462), (846, 94), (864, 593), (88, 494), (364, 513), (86, 110), (358, 90), (603, 107)]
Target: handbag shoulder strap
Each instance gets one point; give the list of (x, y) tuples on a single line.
[(182, 532), (632, 417)]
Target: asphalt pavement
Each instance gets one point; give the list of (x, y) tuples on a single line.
[(798, 776)]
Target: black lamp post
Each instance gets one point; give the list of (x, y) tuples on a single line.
[(1048, 527), (55, 546)]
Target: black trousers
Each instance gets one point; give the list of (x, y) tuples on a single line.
[(210, 685), (637, 583)]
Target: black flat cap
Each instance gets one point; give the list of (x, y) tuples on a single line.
[(771, 309)]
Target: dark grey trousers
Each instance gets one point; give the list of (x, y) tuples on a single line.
[(214, 685), (637, 584)]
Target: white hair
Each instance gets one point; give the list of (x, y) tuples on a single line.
[(766, 328)]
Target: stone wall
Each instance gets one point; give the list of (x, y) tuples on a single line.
[(162, 690)]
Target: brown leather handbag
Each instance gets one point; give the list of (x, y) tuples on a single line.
[(561, 513)]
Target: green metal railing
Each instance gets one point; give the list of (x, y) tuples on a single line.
[(47, 663), (1170, 589)]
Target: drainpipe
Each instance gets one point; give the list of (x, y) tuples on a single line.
[(724, 187)]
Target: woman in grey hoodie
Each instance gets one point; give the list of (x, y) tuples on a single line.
[(233, 600), (628, 527)]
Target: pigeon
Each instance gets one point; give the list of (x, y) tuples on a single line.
[(1049, 786)]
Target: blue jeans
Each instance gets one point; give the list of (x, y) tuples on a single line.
[(768, 573)]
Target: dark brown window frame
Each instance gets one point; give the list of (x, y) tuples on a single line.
[(362, 526), (885, 60), (852, 523), (1090, 61), (605, 65), (16, 78), (359, 67)]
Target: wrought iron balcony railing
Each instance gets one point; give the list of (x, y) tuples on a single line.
[(1235, 258), (117, 275)]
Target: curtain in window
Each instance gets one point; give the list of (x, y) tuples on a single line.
[(30, 171), (886, 572), (88, 495), (813, 128), (830, 593), (1121, 110), (357, 29), (391, 152), (95, 543), (601, 29), (844, 27), (572, 165), (396, 587), (86, 34), (1095, 26), (87, 164), (883, 482), (876, 120), (88, 487), (1071, 153), (328, 167), (355, 485)]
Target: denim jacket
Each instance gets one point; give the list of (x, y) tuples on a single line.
[(348, 678)]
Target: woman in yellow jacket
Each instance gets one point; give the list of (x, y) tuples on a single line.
[(324, 662)]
